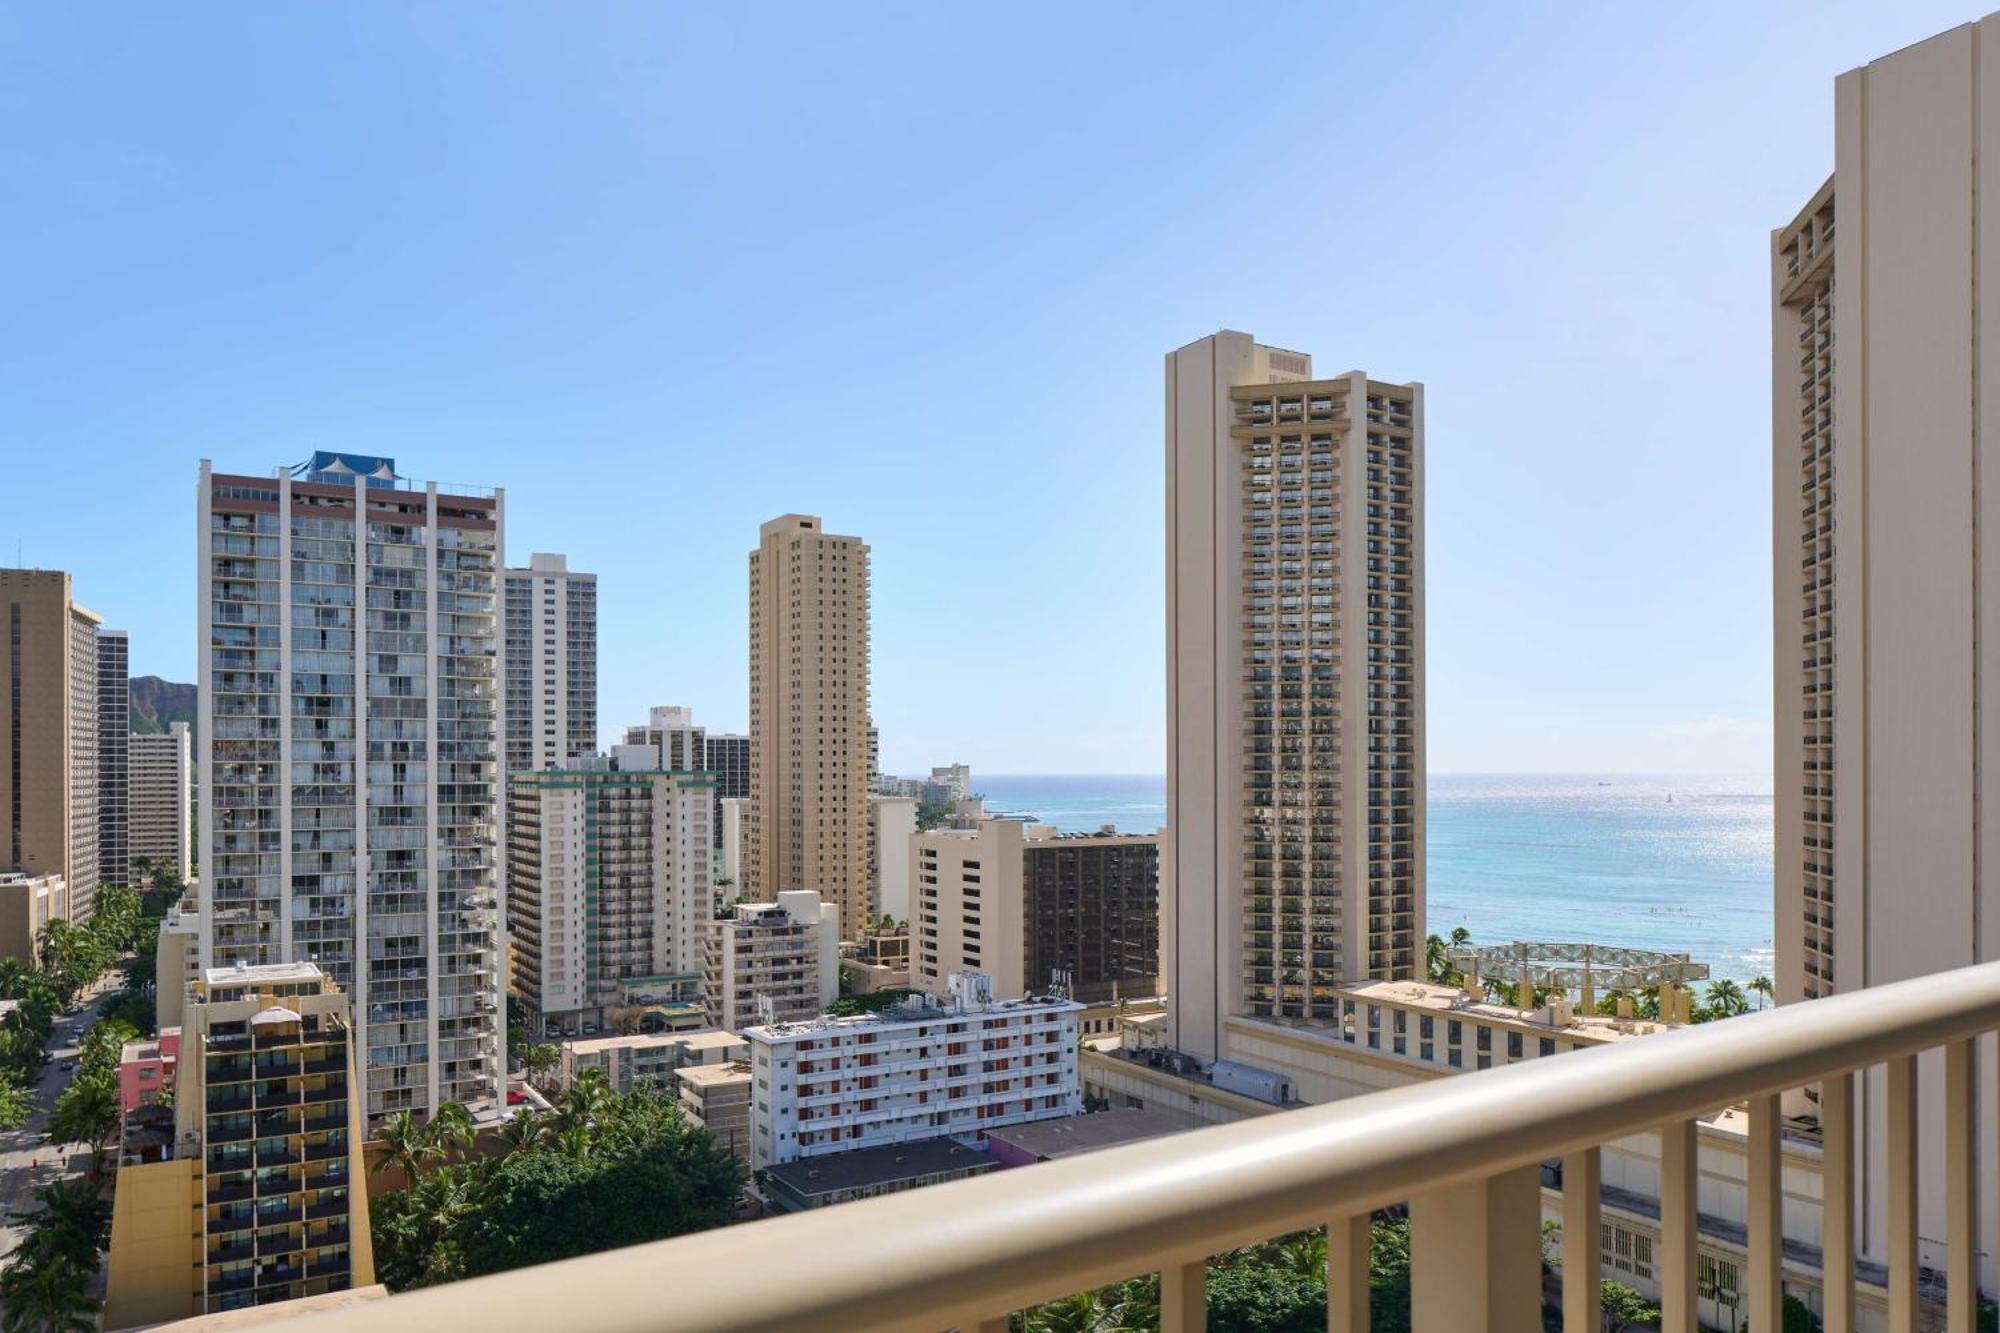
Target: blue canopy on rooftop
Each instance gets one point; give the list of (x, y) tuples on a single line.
[(359, 465)]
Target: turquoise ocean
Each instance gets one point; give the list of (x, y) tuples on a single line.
[(1670, 862)]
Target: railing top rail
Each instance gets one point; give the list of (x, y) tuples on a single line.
[(951, 1254)]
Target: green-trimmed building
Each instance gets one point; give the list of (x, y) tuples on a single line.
[(609, 890)]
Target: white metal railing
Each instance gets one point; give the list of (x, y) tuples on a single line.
[(1462, 1152)]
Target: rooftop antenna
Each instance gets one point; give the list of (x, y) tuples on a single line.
[(1059, 983)]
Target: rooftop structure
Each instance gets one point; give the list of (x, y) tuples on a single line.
[(627, 1061), (1066, 1136), (862, 1173)]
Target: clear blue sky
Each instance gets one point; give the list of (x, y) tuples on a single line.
[(665, 271)]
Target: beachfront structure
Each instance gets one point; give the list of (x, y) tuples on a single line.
[(1026, 904), (1295, 682), (249, 1188), (48, 733), (772, 962), (114, 732), (923, 1070), (348, 755), (1884, 589), (808, 826), (160, 799), (650, 1057), (550, 626), (892, 822), (608, 887)]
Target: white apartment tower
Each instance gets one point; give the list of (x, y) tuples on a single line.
[(1295, 685), (783, 956), (1886, 568), (808, 825), (551, 633), (160, 793), (349, 730)]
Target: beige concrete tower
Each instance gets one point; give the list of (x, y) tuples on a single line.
[(808, 813), (48, 733), (1295, 679), (1886, 564)]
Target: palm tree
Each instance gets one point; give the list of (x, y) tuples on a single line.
[(16, 1104), (51, 1297), (451, 1131), (1435, 962), (407, 1145), (86, 1112), (583, 1102), (1765, 992), (1085, 1312), (527, 1131), (1726, 998)]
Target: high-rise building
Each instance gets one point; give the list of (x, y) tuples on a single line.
[(161, 799), (678, 745), (263, 1135), (349, 731), (1886, 580), (608, 885), (729, 759), (809, 715), (551, 632), (786, 953), (1295, 682), (1023, 903), (891, 822), (48, 734), (114, 727)]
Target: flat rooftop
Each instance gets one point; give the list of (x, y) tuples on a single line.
[(241, 975), (715, 1076), (886, 1165), (1450, 999), (708, 1039), (1069, 1135), (909, 1015)]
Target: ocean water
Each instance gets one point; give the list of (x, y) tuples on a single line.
[(1673, 862)]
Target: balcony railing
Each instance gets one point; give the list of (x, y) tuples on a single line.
[(1463, 1153)]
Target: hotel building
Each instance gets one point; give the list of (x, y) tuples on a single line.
[(892, 822), (249, 1188), (114, 730), (922, 1071), (551, 631), (785, 952), (1885, 574), (48, 734), (729, 759), (27, 903), (349, 732), (808, 826), (161, 799), (1022, 903), (608, 888), (1295, 682)]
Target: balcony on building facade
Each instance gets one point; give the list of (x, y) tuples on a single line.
[(1466, 1155)]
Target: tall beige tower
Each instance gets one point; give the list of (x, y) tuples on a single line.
[(1886, 567), (808, 811), (1295, 685), (48, 733)]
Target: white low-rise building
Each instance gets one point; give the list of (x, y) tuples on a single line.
[(927, 1069)]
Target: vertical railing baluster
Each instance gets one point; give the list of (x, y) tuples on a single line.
[(1475, 1256), (1901, 1156), (1961, 1185), (1679, 1220), (1347, 1262), (1836, 1122), (1767, 1215), (1583, 1217), (1184, 1298)]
